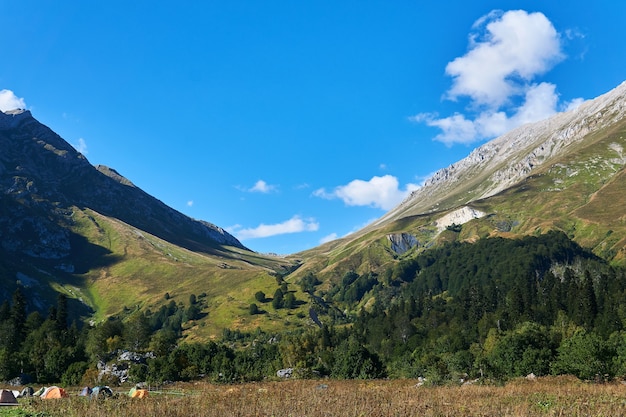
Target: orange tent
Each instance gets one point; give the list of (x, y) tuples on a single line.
[(54, 392), (138, 393)]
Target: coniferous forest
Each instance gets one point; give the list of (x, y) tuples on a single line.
[(495, 309)]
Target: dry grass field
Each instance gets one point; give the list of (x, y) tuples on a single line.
[(553, 396)]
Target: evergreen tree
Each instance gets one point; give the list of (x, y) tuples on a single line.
[(61, 312), (277, 300)]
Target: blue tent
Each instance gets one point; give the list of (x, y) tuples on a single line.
[(101, 392)]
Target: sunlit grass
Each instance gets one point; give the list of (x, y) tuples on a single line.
[(554, 396)]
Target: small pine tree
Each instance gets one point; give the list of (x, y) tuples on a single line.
[(277, 301)]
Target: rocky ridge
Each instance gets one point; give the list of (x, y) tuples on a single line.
[(508, 159), (43, 180)]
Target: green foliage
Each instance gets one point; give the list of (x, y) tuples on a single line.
[(353, 361), (289, 301), (354, 287), (309, 282), (74, 374), (277, 300), (259, 296), (584, 355), (527, 349)]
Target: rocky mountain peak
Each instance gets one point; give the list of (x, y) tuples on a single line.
[(11, 118), (508, 159), (43, 180)]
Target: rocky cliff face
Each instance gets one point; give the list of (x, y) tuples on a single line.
[(43, 180)]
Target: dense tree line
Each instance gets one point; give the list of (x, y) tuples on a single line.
[(501, 308), (497, 309)]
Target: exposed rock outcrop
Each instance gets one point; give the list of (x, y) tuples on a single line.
[(402, 242)]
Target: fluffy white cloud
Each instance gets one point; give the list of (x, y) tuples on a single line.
[(262, 187), (540, 102), (9, 101), (507, 51), (381, 192), (190, 203), (294, 225)]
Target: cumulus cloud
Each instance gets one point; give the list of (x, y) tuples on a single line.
[(190, 203), (507, 52), (262, 187), (294, 225), (9, 101), (540, 102), (506, 49), (381, 192)]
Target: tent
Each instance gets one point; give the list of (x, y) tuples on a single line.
[(53, 392), (85, 392), (27, 392), (39, 391), (138, 393), (101, 392), (7, 397)]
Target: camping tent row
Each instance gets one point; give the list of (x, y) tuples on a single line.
[(5, 398), (8, 397)]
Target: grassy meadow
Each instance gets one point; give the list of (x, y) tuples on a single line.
[(550, 396)]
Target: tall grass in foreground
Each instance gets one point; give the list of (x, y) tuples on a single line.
[(554, 396)]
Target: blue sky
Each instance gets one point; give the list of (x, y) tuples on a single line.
[(290, 123)]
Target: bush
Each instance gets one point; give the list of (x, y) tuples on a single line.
[(74, 373), (584, 355)]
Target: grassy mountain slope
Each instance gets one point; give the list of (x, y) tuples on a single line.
[(88, 232)]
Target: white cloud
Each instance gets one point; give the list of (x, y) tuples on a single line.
[(329, 238), (190, 203), (9, 101), (294, 225), (507, 51), (262, 187), (540, 102), (81, 146), (381, 192)]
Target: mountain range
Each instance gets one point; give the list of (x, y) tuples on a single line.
[(69, 227)]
